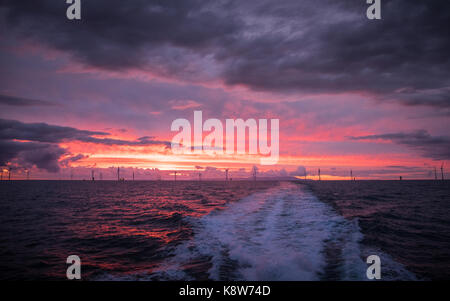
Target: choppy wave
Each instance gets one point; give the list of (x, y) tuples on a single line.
[(283, 233), (240, 230)]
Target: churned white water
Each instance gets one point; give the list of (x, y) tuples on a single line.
[(278, 234), (282, 233)]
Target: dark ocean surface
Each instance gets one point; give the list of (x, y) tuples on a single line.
[(239, 230), (409, 220)]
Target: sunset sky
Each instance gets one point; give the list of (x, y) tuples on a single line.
[(372, 96)]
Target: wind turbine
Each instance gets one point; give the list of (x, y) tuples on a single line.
[(254, 171)]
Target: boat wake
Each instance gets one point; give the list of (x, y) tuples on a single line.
[(283, 233)]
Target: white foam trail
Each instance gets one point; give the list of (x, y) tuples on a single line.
[(283, 233), (278, 234)]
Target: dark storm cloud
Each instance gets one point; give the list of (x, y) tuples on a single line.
[(109, 141), (40, 148), (28, 154), (42, 132), (436, 147), (438, 98), (117, 34), (67, 161), (308, 46), (408, 49), (23, 102)]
